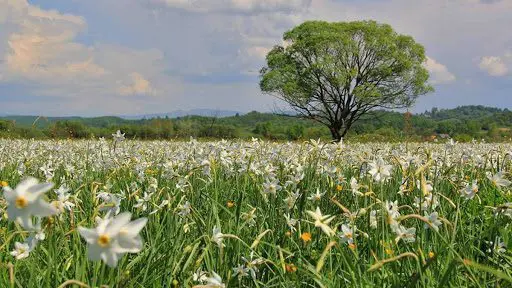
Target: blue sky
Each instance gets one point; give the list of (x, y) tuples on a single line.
[(121, 57)]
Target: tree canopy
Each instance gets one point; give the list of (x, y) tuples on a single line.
[(334, 73)]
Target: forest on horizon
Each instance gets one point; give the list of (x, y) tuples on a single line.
[(463, 123)]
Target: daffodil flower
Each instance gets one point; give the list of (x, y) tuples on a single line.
[(214, 281), (499, 180), (433, 221), (217, 236), (118, 136), (113, 237), (25, 201), (21, 250), (322, 221), (379, 170)]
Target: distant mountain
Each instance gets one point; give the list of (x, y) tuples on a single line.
[(182, 113)]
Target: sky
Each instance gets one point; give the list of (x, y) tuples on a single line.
[(134, 57)]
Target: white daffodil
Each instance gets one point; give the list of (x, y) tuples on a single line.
[(185, 209), (21, 250), (497, 246), (25, 201), (250, 217), (240, 271), (47, 171), (379, 170), (63, 199), (217, 236), (214, 281), (406, 234), (499, 179), (433, 221), (316, 196), (252, 264), (159, 207), (373, 219), (506, 209), (142, 203), (200, 276), (430, 202), (39, 233), (347, 234), (118, 136), (271, 187), (113, 237), (291, 222), (21, 168), (129, 238), (322, 221), (291, 199), (470, 190), (354, 186), (392, 210), (111, 204)]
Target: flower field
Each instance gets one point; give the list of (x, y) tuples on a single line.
[(118, 213)]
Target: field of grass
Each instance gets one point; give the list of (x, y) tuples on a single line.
[(255, 214)]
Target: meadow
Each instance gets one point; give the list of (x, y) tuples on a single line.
[(127, 213)]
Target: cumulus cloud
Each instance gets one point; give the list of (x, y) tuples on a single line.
[(139, 85), (40, 46), (494, 66), (439, 74)]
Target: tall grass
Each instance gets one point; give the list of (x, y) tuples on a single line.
[(227, 191)]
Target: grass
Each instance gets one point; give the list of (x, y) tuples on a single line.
[(227, 192)]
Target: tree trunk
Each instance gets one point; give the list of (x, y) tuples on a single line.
[(335, 133)]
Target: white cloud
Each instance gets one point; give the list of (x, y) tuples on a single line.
[(494, 66), (439, 74), (39, 46), (139, 85)]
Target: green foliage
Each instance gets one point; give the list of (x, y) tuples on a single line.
[(462, 123), (69, 129)]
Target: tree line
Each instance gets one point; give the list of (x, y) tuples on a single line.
[(463, 124)]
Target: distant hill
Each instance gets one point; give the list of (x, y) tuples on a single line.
[(182, 113), (43, 122), (463, 112), (105, 121)]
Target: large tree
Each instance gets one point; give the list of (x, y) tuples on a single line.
[(334, 73)]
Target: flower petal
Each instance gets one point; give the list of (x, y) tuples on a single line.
[(89, 235), (134, 227), (33, 192), (118, 223), (43, 209), (110, 258)]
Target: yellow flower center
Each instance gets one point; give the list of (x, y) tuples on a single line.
[(21, 202), (103, 240)]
